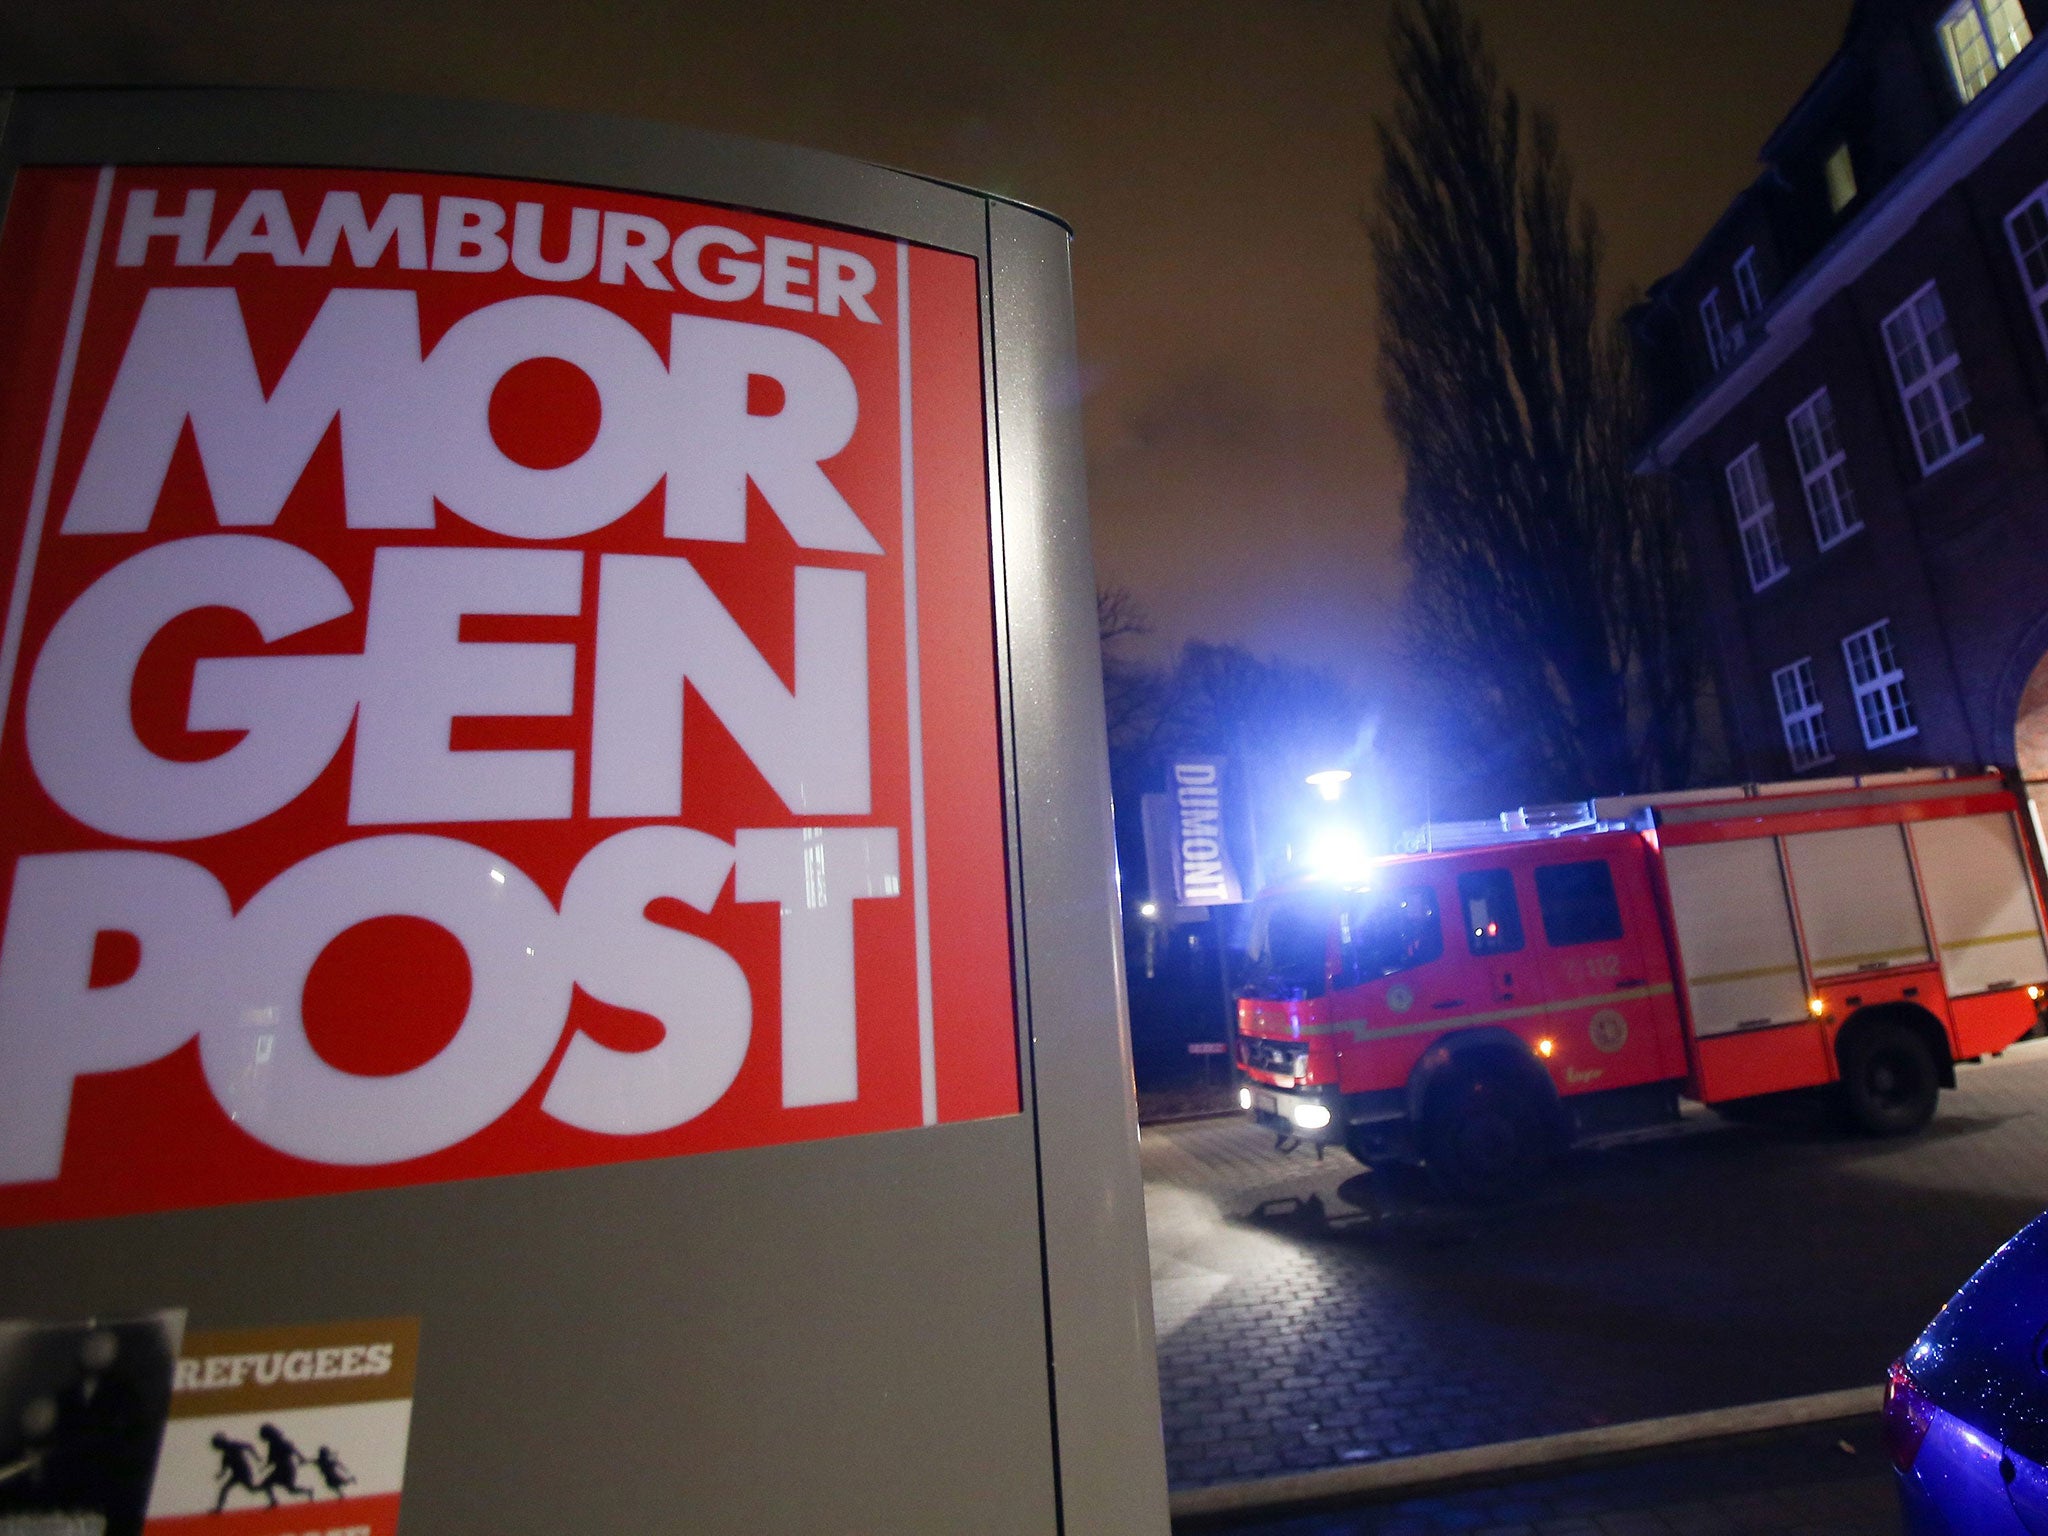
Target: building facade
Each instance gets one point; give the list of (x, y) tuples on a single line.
[(1851, 384)]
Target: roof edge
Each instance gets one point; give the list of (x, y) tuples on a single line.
[(2005, 106)]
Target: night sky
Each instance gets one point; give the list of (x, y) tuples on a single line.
[(1214, 158)]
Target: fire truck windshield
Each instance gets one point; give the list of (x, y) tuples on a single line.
[(1290, 946)]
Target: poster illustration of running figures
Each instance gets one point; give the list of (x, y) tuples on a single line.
[(287, 1432)]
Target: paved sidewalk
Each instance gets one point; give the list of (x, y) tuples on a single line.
[(1314, 1315), (1822, 1480)]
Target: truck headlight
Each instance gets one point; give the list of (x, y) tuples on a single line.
[(1244, 1098), (1311, 1117)]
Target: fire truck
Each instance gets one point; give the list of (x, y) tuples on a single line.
[(1561, 978)]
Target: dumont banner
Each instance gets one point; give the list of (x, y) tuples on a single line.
[(496, 677), (1203, 875)]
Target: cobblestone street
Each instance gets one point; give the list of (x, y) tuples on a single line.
[(1314, 1315)]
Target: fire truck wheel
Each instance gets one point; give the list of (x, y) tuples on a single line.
[(1484, 1138), (1889, 1081)]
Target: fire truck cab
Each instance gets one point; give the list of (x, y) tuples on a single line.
[(1477, 1007)]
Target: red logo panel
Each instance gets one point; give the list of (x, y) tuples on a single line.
[(497, 677)]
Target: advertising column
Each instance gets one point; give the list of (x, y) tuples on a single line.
[(500, 687)]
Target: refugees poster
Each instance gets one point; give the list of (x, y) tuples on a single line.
[(288, 1432)]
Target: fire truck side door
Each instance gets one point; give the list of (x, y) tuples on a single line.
[(1494, 940), (1601, 1016), (1496, 951)]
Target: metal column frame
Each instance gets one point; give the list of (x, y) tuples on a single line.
[(1106, 1385), (1073, 1151)]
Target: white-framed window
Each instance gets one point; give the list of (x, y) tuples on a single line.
[(1804, 718), (1841, 174), (1981, 37), (1719, 347), (1879, 682), (1756, 518), (1747, 289), (2027, 228), (1823, 469), (1930, 379)]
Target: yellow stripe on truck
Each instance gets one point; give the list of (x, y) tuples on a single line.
[(1751, 975), (1358, 1029), (1869, 958)]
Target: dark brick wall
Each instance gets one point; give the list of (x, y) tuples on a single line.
[(1886, 95), (1956, 560)]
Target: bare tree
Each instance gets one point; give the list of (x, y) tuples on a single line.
[(1280, 714), (1273, 719), (1133, 694), (1548, 601), (1118, 616)]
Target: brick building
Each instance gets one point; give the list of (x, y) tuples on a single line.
[(1851, 375)]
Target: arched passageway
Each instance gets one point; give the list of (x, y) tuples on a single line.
[(2030, 736)]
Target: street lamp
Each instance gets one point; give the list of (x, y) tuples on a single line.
[(1330, 782)]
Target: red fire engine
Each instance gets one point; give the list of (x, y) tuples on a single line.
[(1479, 1006)]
